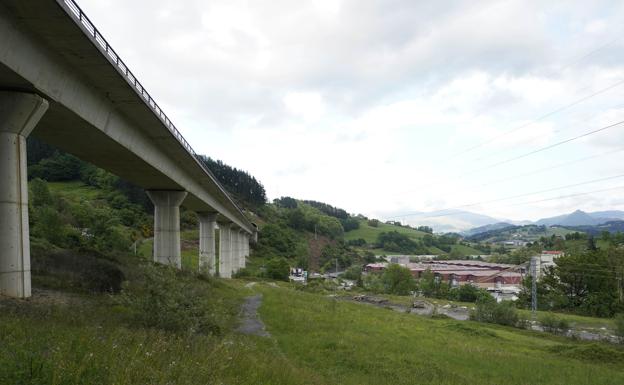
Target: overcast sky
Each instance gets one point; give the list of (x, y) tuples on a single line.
[(391, 107)]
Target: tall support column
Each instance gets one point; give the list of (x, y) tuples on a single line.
[(167, 226), (207, 252), (235, 250), (242, 236), (225, 250), (19, 114)]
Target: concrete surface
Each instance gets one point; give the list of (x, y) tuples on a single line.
[(19, 113), (207, 251)]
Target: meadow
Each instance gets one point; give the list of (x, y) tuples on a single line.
[(73, 338)]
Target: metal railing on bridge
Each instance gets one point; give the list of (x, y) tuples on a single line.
[(92, 32)]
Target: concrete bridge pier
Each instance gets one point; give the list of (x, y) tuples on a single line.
[(167, 226), (246, 247), (235, 250), (225, 250), (207, 252), (19, 114), (242, 237)]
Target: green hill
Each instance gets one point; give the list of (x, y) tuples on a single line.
[(370, 233), (426, 243)]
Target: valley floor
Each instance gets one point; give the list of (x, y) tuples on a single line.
[(312, 339)]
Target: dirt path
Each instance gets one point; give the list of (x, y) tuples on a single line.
[(250, 322)]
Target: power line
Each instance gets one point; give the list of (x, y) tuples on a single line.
[(509, 160), (542, 149), (553, 167), (568, 196), (493, 154), (522, 195), (511, 205), (590, 53), (539, 118)]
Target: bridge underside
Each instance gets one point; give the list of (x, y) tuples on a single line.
[(94, 113)]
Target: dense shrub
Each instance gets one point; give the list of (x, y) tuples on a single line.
[(350, 223), (553, 324), (619, 327), (87, 271), (398, 280), (353, 273), (466, 293), (399, 242), (278, 268), (488, 310), (356, 242), (171, 300)]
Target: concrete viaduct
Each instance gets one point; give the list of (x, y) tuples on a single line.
[(61, 82)]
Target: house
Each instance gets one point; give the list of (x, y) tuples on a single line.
[(547, 259)]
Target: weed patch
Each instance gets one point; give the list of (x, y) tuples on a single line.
[(471, 330), (172, 300), (593, 352)]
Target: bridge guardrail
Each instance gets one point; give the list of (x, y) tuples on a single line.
[(92, 32)]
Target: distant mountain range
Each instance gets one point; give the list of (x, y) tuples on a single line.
[(469, 224), (451, 221), (581, 218)]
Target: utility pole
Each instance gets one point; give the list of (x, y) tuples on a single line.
[(534, 262)]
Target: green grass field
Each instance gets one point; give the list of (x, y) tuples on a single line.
[(315, 339), (75, 190), (574, 320), (347, 343), (465, 250), (369, 233)]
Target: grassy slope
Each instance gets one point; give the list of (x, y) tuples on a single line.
[(348, 343), (573, 319), (369, 233), (466, 250), (315, 340), (86, 342)]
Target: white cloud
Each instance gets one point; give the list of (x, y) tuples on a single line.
[(365, 104)]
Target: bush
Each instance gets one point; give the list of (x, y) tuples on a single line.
[(398, 280), (278, 268), (553, 324), (171, 300), (503, 313), (619, 327), (468, 293), (87, 271), (353, 273)]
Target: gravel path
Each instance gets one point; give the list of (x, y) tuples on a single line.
[(250, 322)]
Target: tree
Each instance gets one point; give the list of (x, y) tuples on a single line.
[(278, 268), (398, 242), (237, 182), (467, 293), (591, 244), (487, 310), (619, 327), (286, 202), (398, 280), (350, 224)]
